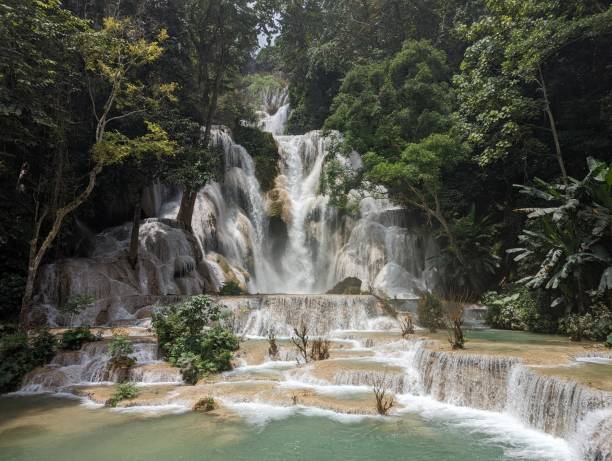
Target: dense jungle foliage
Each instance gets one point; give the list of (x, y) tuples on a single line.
[(490, 118)]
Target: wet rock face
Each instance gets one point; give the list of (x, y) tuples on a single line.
[(170, 263), (348, 286)]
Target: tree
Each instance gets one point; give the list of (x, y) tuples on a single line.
[(222, 35), (508, 68), (384, 106), (565, 242), (111, 56), (416, 178)]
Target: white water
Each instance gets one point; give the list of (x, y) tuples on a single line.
[(232, 219)]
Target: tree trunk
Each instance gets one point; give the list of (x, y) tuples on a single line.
[(185, 214), (37, 254), (553, 127), (134, 237)]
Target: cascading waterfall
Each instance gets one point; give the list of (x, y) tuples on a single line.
[(231, 221), (235, 241), (322, 314)]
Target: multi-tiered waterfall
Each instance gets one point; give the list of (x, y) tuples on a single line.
[(321, 246), (287, 268)]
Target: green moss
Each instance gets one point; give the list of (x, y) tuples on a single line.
[(262, 147)]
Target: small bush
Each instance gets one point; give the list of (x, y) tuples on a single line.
[(230, 288), (273, 351), (406, 325), (594, 326), (19, 355), (519, 309), (73, 340), (320, 349), (75, 305), (430, 312), (454, 324), (608, 342), (193, 338), (123, 391), (121, 346), (300, 340), (384, 400), (205, 404)]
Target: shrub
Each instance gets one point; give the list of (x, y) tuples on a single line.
[(120, 349), (11, 292), (406, 325), (75, 305), (608, 342), (320, 349), (518, 309), (300, 340), (123, 391), (205, 404), (230, 288), (384, 401), (192, 336), (430, 312), (595, 326), (273, 351), (121, 346), (454, 324), (20, 355), (74, 339)]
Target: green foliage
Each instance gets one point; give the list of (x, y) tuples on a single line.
[(262, 147), (383, 107), (75, 305), (123, 391), (192, 337), (231, 288), (516, 309), (565, 240), (608, 342), (430, 311), (74, 339), (479, 264), (595, 326), (120, 347), (205, 404), (19, 355), (11, 291)]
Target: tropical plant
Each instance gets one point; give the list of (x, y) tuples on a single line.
[(230, 288), (565, 242), (193, 337), (73, 339), (75, 305), (20, 355), (430, 311), (123, 391)]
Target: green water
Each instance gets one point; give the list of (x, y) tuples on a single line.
[(521, 337), (50, 429)]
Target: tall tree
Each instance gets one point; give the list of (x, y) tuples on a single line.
[(111, 56), (221, 36)]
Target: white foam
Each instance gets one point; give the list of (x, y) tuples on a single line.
[(154, 410), (517, 440), (259, 413), (596, 360)]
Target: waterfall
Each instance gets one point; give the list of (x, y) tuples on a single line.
[(476, 381), (551, 404), (560, 407), (322, 314), (232, 222), (92, 365)]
